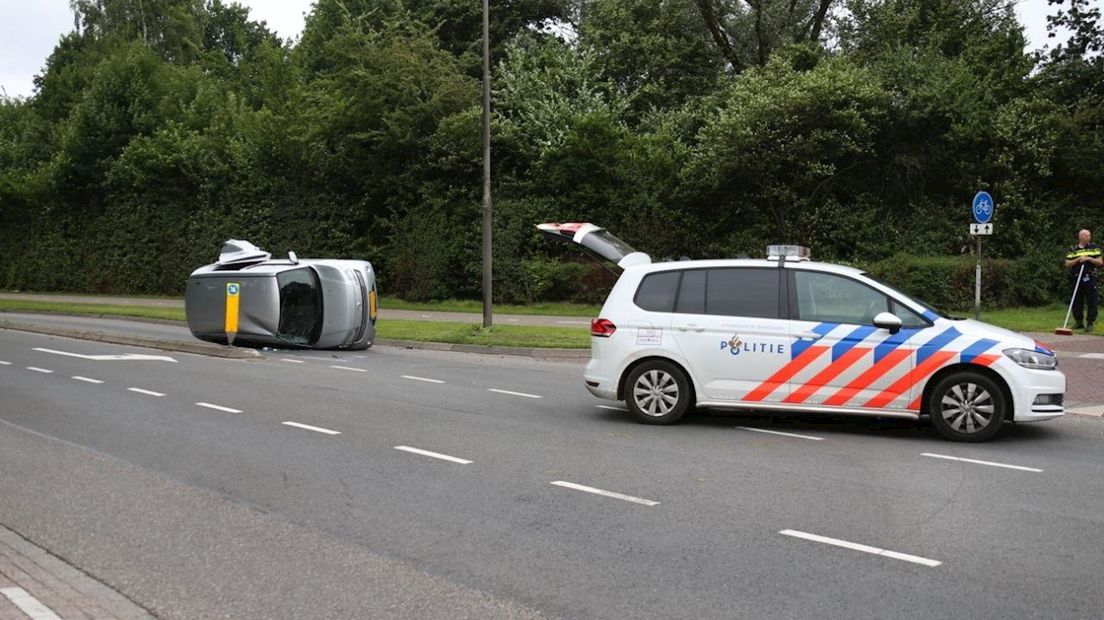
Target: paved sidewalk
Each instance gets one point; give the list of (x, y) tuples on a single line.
[(36, 584)]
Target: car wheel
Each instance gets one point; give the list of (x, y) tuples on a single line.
[(658, 393), (967, 406)]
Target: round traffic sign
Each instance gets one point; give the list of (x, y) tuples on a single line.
[(983, 207)]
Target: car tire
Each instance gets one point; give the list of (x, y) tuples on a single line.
[(967, 406), (658, 392)]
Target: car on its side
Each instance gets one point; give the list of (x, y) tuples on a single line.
[(292, 302), (789, 334)]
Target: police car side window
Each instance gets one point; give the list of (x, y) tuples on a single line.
[(742, 292), (826, 297), (908, 317), (657, 291), (691, 298)]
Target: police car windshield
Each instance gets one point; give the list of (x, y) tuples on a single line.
[(904, 296)]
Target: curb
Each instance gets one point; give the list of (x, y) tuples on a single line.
[(197, 348), (566, 354)]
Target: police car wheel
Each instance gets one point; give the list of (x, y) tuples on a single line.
[(967, 406), (658, 392)]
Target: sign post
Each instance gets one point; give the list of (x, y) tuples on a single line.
[(983, 208), (233, 294)]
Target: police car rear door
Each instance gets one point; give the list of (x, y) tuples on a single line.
[(729, 326)]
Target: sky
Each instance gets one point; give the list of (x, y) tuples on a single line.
[(29, 29)]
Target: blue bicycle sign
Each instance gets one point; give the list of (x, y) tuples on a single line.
[(983, 207)]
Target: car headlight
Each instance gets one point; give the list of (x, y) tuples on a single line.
[(1035, 360)]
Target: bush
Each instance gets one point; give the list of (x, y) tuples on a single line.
[(948, 281)]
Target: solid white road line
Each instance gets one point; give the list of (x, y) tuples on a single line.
[(522, 394), (349, 368), (915, 559), (611, 407), (291, 361), (3, 363), (86, 379), (436, 455), (146, 392), (219, 408), (127, 357), (763, 430), (316, 429), (29, 604), (1092, 356), (42, 370), (990, 463), (627, 498), (427, 380)]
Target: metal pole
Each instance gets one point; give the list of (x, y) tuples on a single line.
[(487, 320), (977, 283)]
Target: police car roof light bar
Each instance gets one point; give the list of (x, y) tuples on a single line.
[(788, 252)]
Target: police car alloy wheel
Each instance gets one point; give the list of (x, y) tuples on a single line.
[(967, 406), (658, 392)]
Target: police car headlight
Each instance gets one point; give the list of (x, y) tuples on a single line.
[(1034, 360)]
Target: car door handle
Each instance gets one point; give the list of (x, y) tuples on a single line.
[(693, 327), (808, 335)]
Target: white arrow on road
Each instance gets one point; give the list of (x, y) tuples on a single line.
[(99, 358)]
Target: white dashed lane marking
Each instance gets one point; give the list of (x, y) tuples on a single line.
[(218, 408), (317, 429), (425, 379), (291, 361), (3, 363), (86, 379), (146, 392), (604, 493), (29, 604), (612, 408), (794, 435), (436, 455), (977, 462), (42, 370), (349, 368), (508, 392), (915, 559)]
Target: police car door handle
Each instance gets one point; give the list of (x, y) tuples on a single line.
[(694, 327), (808, 336)]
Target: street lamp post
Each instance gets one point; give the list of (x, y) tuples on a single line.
[(486, 166)]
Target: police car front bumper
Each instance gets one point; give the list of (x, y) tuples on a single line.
[(1040, 395)]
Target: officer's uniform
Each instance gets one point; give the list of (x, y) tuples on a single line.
[(1086, 291)]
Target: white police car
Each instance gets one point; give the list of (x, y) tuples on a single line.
[(788, 334)]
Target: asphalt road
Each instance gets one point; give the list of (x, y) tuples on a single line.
[(221, 509)]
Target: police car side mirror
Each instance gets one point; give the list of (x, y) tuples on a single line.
[(888, 320)]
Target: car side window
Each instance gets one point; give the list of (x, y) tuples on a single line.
[(744, 291), (826, 297), (691, 298), (908, 317), (657, 291)]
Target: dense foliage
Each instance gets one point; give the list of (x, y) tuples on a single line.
[(707, 128)]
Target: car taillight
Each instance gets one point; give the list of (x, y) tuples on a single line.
[(603, 328)]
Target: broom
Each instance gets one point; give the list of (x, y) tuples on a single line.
[(1063, 331)]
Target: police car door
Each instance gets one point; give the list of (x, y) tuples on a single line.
[(839, 358), (728, 325)]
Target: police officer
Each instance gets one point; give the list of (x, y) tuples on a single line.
[(1082, 261)]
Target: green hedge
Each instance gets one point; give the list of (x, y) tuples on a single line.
[(948, 281)]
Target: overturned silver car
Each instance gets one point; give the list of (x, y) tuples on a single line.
[(249, 298)]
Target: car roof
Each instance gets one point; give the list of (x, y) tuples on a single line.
[(747, 262)]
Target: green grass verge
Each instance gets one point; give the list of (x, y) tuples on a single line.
[(145, 312), (1043, 319), (421, 331), (468, 305)]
